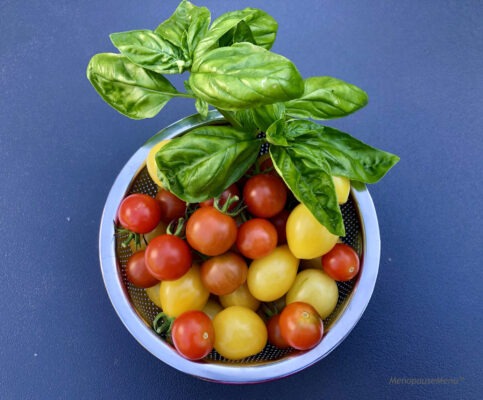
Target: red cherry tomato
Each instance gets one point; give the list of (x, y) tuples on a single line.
[(274, 335), (193, 334), (257, 238), (168, 257), (279, 221), (172, 207), (301, 326), (265, 195), (224, 274), (137, 273), (139, 213), (231, 191), (341, 263), (210, 232)]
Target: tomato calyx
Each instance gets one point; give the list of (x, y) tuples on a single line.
[(163, 324), (131, 236), (227, 207), (177, 228)]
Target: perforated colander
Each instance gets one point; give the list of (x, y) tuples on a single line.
[(137, 312)]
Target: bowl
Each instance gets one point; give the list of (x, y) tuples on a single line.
[(137, 312)]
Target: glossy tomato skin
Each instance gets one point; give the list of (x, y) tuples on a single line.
[(315, 287), (265, 195), (210, 231), (183, 294), (224, 273), (239, 333), (274, 333), (168, 257), (301, 326), (137, 273), (172, 207), (270, 277), (139, 213), (307, 237), (256, 238), (341, 263), (231, 191), (193, 335)]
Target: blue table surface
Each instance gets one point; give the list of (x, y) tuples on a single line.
[(61, 148)]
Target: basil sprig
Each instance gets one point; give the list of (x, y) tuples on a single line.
[(231, 68)]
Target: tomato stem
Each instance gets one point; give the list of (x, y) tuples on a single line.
[(163, 324), (228, 203), (179, 224)]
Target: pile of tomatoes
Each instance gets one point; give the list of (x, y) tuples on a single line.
[(233, 273)]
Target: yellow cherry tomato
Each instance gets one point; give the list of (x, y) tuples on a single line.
[(240, 297), (239, 333), (183, 294), (306, 237), (151, 162), (316, 288), (212, 307), (270, 277), (342, 188), (153, 294)]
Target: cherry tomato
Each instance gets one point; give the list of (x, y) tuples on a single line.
[(193, 334), (315, 287), (137, 273), (301, 326), (224, 273), (265, 195), (239, 333), (183, 294), (279, 221), (168, 257), (342, 188), (307, 237), (172, 207), (231, 191), (210, 231), (212, 307), (341, 263), (240, 297), (270, 277), (256, 238), (139, 213), (274, 335)]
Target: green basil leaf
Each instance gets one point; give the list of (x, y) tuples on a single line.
[(276, 133), (132, 90), (202, 163), (186, 27), (240, 33), (346, 155), (310, 179), (202, 107), (260, 118), (326, 98), (149, 50), (253, 77), (262, 27)]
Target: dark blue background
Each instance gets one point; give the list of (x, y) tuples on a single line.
[(61, 147)]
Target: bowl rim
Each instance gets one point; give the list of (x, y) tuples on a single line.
[(225, 372)]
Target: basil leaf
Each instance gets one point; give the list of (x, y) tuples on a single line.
[(309, 178), (240, 33), (202, 163), (149, 50), (202, 107), (346, 155), (326, 98), (133, 91), (260, 118), (186, 27), (253, 77), (262, 26), (276, 133)]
